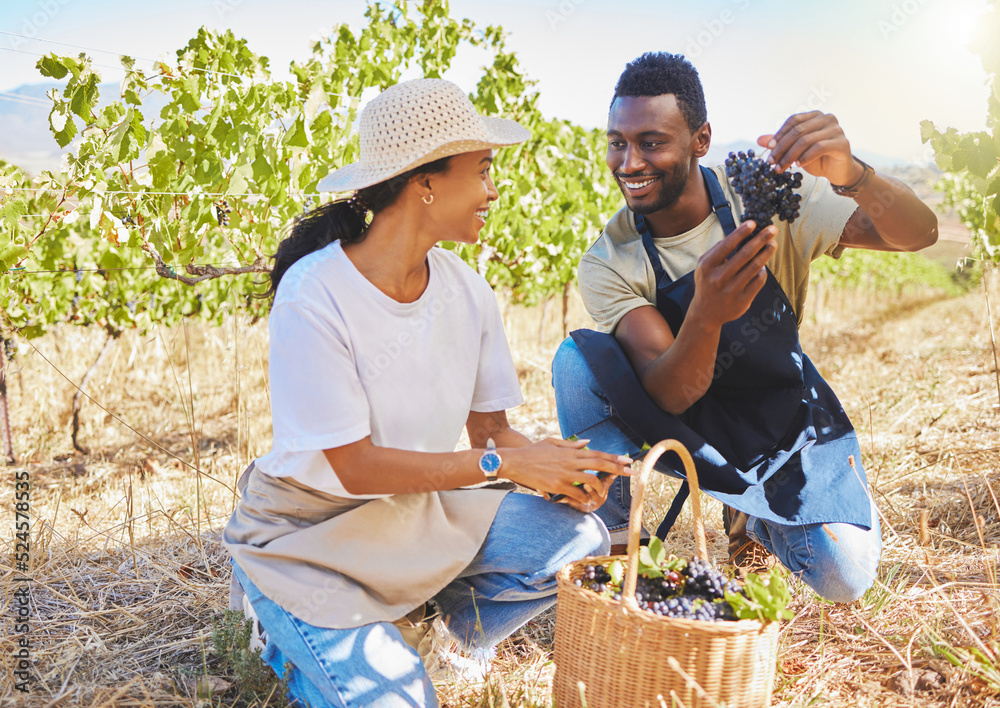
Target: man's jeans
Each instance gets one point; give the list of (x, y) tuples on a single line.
[(839, 562), (511, 580)]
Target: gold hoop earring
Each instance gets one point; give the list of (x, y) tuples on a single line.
[(428, 199)]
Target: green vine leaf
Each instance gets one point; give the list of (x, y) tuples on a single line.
[(764, 598)]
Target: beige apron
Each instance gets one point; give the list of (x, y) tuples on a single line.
[(342, 563)]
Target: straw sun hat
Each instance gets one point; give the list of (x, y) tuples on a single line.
[(416, 122)]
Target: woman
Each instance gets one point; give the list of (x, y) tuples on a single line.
[(382, 348)]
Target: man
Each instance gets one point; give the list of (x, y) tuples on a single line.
[(699, 337)]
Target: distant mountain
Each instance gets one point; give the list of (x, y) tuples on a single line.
[(25, 139)]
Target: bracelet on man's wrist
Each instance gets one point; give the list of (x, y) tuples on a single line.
[(854, 189)]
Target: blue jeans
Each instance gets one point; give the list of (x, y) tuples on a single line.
[(839, 568), (511, 580)]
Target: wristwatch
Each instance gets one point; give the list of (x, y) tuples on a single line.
[(489, 461)]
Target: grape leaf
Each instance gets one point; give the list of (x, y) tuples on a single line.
[(927, 130), (647, 564), (657, 551), (84, 96), (53, 66), (764, 598), (617, 572), (977, 153), (10, 254)]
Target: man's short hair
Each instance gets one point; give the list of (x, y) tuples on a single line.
[(658, 73)]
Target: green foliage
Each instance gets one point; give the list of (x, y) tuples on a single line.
[(764, 598), (233, 158), (654, 561), (884, 271), (973, 159), (617, 572), (231, 641), (961, 194), (974, 660), (13, 207)]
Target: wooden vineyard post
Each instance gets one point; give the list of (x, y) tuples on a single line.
[(7, 439)]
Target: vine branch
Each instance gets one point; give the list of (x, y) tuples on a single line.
[(202, 272)]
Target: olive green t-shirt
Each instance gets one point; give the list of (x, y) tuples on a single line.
[(615, 275)]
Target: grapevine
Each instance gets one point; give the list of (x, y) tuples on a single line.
[(234, 148)]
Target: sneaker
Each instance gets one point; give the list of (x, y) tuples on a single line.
[(444, 661), (753, 558), (258, 637), (745, 554)]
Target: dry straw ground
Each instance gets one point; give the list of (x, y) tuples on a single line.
[(128, 571)]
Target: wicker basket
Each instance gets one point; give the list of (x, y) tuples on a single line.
[(611, 654)]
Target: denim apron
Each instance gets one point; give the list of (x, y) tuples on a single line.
[(769, 437)]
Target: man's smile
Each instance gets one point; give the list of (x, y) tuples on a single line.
[(637, 186)]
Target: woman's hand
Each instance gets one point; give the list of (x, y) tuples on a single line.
[(555, 466)]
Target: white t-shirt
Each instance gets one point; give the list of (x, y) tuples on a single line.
[(616, 277), (348, 361)]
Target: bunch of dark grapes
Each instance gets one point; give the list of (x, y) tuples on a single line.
[(696, 591), (765, 193), (9, 350), (595, 577), (222, 211), (128, 221), (705, 581), (651, 591)]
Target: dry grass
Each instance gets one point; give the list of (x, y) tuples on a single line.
[(128, 571)]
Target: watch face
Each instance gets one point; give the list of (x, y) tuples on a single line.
[(489, 462)]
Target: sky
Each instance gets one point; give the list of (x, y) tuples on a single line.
[(880, 66)]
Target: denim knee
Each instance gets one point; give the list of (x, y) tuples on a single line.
[(838, 561), (853, 566), (567, 364), (595, 535), (590, 537)]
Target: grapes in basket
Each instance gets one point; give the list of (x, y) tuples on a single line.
[(671, 586)]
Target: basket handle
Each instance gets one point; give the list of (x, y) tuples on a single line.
[(635, 513)]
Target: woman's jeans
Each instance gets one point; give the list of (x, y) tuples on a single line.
[(511, 580), (839, 562)]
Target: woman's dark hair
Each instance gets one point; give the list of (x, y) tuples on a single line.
[(658, 73), (340, 221)]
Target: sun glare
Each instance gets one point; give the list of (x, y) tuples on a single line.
[(961, 22)]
